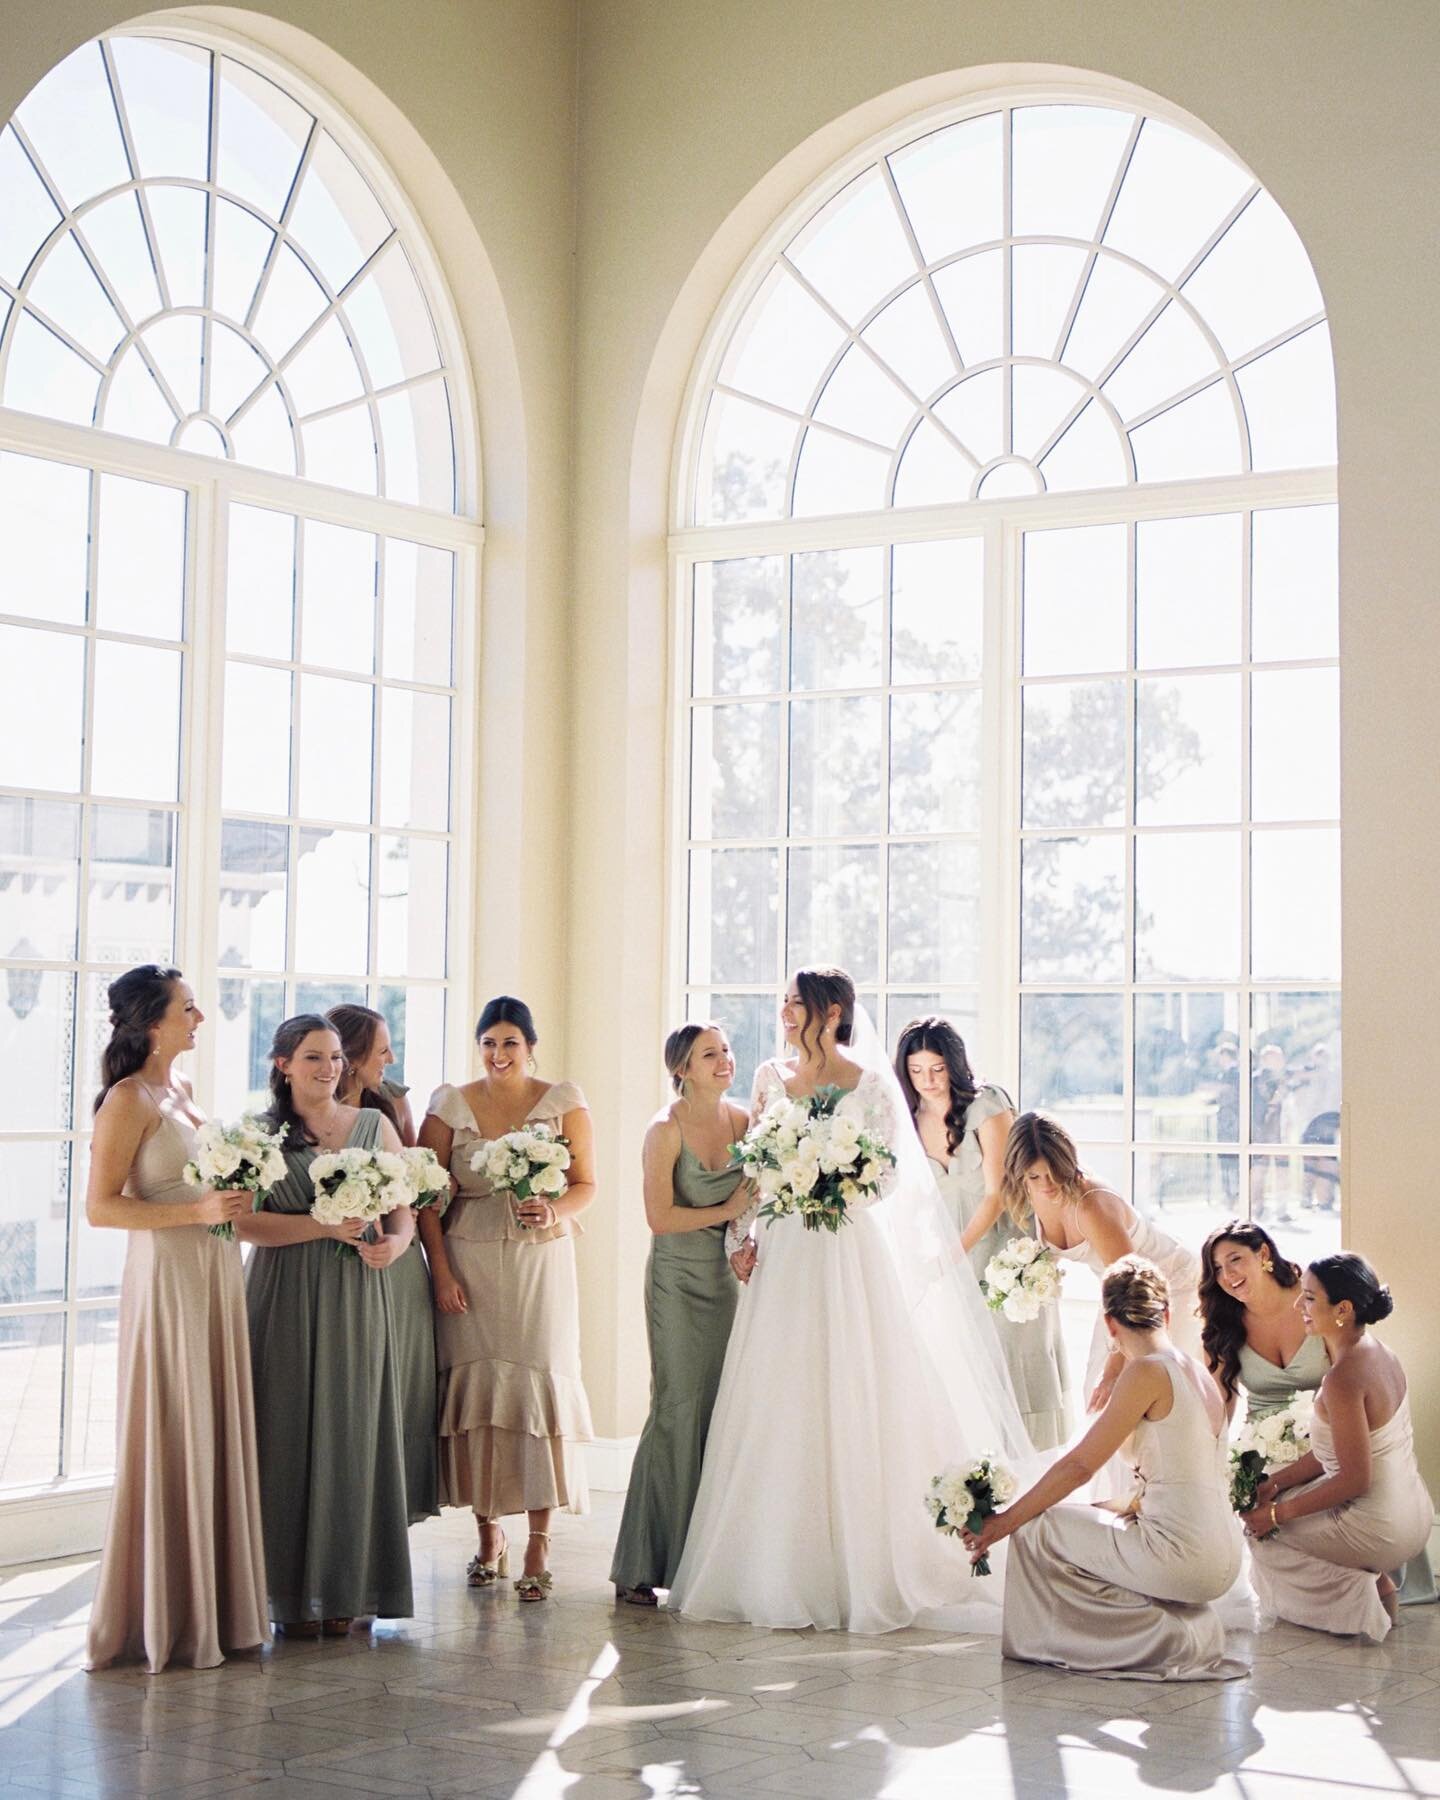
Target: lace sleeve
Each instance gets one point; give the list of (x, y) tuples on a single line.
[(768, 1082)]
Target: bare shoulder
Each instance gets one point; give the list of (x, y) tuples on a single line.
[(664, 1128), (738, 1117), (1100, 1202)]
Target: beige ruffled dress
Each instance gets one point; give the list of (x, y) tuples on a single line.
[(513, 1408)]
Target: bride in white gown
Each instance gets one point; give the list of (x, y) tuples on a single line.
[(860, 1364)]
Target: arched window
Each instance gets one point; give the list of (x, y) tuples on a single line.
[(1008, 534), (237, 603)]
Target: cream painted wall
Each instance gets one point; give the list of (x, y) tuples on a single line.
[(699, 121)]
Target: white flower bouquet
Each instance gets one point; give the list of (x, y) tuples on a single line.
[(807, 1157), (244, 1155), (1021, 1279), (1263, 1445), (963, 1499), (526, 1164), (356, 1183), (429, 1179)]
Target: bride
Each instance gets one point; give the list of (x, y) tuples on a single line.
[(860, 1364)]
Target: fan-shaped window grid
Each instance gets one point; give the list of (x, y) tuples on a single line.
[(1040, 299), (189, 257)]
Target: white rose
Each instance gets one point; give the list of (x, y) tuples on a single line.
[(391, 1166), (355, 1200), (1021, 1306), (1024, 1250), (550, 1181)]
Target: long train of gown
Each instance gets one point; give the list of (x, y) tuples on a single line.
[(1320, 1570), (1133, 1598), (182, 1578), (827, 1430)]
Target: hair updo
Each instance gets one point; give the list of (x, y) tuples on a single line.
[(1135, 1294), (290, 1034), (819, 989), (504, 1009), (139, 1000), (356, 1027), (1346, 1276), (679, 1046)]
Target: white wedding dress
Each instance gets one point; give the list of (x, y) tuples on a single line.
[(860, 1364)]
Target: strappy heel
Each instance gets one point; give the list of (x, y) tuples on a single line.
[(642, 1595), (538, 1586), (479, 1573)]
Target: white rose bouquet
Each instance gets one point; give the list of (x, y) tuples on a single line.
[(1020, 1279), (356, 1183), (963, 1499), (429, 1180), (1263, 1445), (244, 1155), (807, 1157), (526, 1164)]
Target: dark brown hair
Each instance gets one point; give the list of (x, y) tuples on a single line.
[(1222, 1331), (819, 989), (505, 1009), (940, 1038), (1346, 1276), (290, 1034), (1135, 1294), (1036, 1138), (139, 999), (356, 1027)]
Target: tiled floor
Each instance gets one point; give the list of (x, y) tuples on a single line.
[(481, 1696)]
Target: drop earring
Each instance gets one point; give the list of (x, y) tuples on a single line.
[(1267, 1267)]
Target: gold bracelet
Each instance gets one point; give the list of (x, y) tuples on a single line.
[(1274, 1515)]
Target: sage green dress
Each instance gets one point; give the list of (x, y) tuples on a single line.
[(690, 1299), (415, 1360), (327, 1419), (1268, 1388), (1035, 1350)]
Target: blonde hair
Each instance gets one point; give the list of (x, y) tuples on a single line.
[(1035, 1138), (679, 1046), (1135, 1294)]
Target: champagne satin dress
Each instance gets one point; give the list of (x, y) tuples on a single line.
[(1133, 1599), (182, 1578)]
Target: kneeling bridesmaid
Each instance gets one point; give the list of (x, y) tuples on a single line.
[(1130, 1593), (1325, 1530)]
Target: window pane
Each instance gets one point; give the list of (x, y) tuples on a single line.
[(1294, 601), (1257, 281), (336, 216), (937, 611), (99, 1254), (39, 874), (1173, 355), (861, 397), (338, 608), (906, 335), (1295, 1067), (934, 918), (972, 293), (834, 908), (1187, 750), (31, 1365), (141, 558), (254, 865), (37, 1022), (332, 901), (29, 214), (1199, 436), (1301, 1192), (324, 371), (932, 470), (1289, 396), (836, 767), (255, 765), (835, 633), (961, 1006), (1075, 600), (745, 463), (413, 905), (1295, 744), (132, 886), (735, 771), (260, 601), (935, 761), (854, 251), (1072, 1062), (1176, 192), (750, 1023), (418, 612), (1295, 905), (414, 759), (336, 730), (46, 376), (1074, 754), (1072, 909), (734, 895), (1065, 160), (136, 722), (262, 132), (44, 525), (246, 1015), (837, 475), (340, 450), (66, 290), (94, 1392), (166, 89), (1187, 1067), (390, 322), (1187, 906), (33, 1213), (416, 1017), (1187, 591), (1189, 1193), (950, 182), (1044, 279), (739, 622), (42, 700)]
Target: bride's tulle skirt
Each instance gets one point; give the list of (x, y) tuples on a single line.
[(829, 1424)]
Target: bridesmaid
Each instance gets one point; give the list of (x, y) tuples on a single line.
[(513, 1408), (1325, 1530), (1254, 1337), (365, 1041), (322, 1345), (692, 1191), (182, 1577), (1081, 1219), (963, 1125), (1129, 1594)]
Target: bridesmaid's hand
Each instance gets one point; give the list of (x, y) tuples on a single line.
[(744, 1197), (348, 1231), (743, 1261), (981, 1543), (222, 1206), (449, 1295), (1100, 1395), (389, 1249), (1268, 1492)]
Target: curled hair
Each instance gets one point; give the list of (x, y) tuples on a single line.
[(504, 1009), (940, 1038), (1346, 1276), (139, 1000), (1222, 1330), (680, 1044), (1036, 1138), (819, 989), (290, 1034), (1135, 1294), (356, 1026)]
